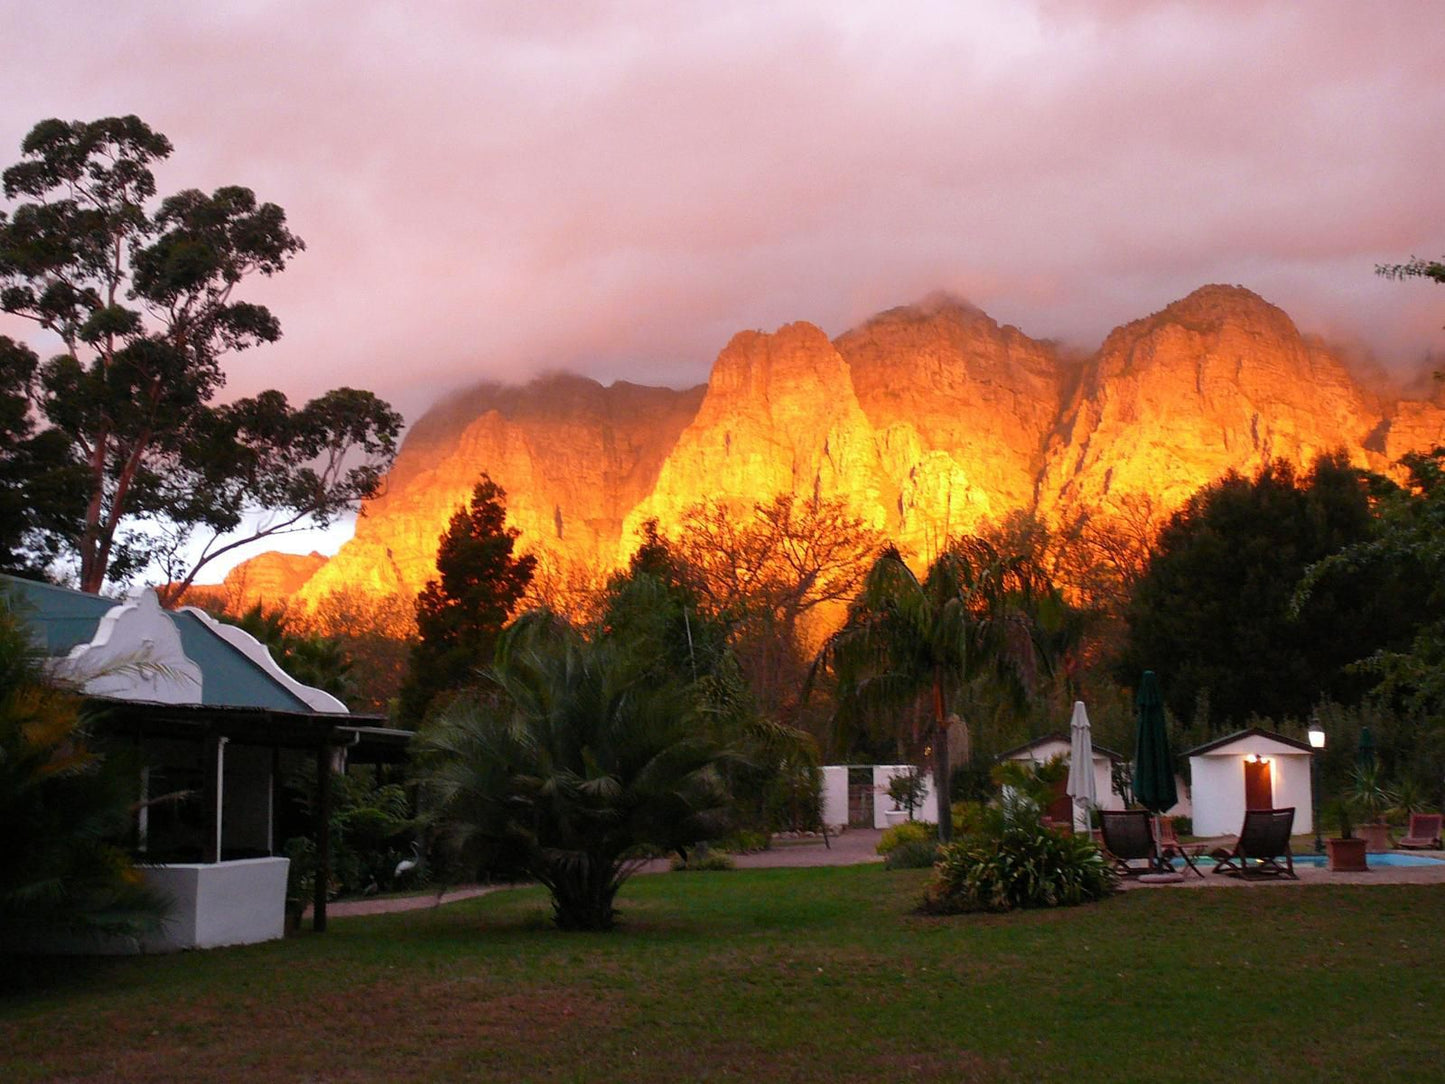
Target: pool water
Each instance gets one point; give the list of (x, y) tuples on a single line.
[(1390, 858)]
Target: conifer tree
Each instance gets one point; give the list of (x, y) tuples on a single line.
[(460, 613)]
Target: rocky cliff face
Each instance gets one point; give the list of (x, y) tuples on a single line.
[(926, 421), (573, 456), (1219, 380), (779, 416)]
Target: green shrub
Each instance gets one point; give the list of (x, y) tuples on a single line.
[(1017, 863), (912, 854), (702, 862), (907, 832), (745, 841), (969, 818)]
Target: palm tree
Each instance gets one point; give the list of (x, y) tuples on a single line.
[(970, 626), (66, 810), (583, 755)]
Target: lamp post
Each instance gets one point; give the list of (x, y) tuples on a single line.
[(1317, 743)]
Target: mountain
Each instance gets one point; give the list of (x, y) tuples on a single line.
[(926, 420)]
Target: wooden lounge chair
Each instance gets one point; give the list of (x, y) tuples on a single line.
[(1424, 832), (1263, 839), (1128, 837), (1170, 847)]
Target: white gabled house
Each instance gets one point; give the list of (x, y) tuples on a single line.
[(213, 718), (1250, 769)]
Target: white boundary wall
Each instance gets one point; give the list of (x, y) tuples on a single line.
[(835, 795)]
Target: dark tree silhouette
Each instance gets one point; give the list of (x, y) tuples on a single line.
[(460, 614)]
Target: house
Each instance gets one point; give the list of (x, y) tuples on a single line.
[(1250, 769), (1042, 750), (213, 721)]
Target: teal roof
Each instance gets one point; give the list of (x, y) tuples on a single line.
[(230, 678), (59, 618), (62, 618)]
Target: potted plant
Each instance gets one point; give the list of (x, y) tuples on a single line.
[(1346, 852), (907, 790), (1371, 799)]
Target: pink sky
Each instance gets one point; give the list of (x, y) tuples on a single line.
[(490, 191)]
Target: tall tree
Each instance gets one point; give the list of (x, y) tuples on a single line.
[(142, 297), (962, 634), (766, 572), (1405, 549), (460, 614), (1416, 268), (42, 483), (1212, 613)]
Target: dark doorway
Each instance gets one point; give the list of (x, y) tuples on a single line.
[(1258, 786)]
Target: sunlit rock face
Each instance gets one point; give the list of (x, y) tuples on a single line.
[(926, 421), (573, 456), (960, 409), (1220, 380), (780, 416), (272, 575)]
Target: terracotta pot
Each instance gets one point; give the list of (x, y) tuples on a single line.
[(1376, 837), (1346, 855)]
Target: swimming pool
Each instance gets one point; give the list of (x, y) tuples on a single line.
[(1389, 858)]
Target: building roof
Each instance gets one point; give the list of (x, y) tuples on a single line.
[(1240, 735), (232, 673), (59, 618), (1057, 736)]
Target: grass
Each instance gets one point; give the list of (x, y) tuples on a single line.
[(818, 974)]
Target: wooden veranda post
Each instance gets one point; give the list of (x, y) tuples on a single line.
[(323, 836)]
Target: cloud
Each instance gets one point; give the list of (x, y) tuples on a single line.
[(489, 191)]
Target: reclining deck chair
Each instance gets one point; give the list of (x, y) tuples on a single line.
[(1264, 838), (1128, 836), (1424, 832)]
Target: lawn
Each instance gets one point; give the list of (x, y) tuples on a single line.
[(819, 974)]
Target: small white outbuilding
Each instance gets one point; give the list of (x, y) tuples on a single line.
[(1042, 750), (1250, 769)]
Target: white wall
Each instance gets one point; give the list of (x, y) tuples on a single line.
[(882, 775), (835, 794), (228, 903), (1218, 790)]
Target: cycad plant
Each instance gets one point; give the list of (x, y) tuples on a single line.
[(583, 755), (64, 812), (971, 625)]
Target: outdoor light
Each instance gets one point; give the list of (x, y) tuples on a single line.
[(1317, 742)]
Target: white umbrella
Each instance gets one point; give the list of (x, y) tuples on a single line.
[(1081, 786)]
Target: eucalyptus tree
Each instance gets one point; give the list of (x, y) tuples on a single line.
[(142, 297), (582, 754), (969, 630)]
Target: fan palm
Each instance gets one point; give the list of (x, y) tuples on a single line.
[(583, 755), (65, 809), (970, 625)]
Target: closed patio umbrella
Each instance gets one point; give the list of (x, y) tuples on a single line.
[(1081, 786), (1365, 753), (1153, 761)]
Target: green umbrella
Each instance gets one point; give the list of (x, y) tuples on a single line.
[(1365, 754), (1153, 762)]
